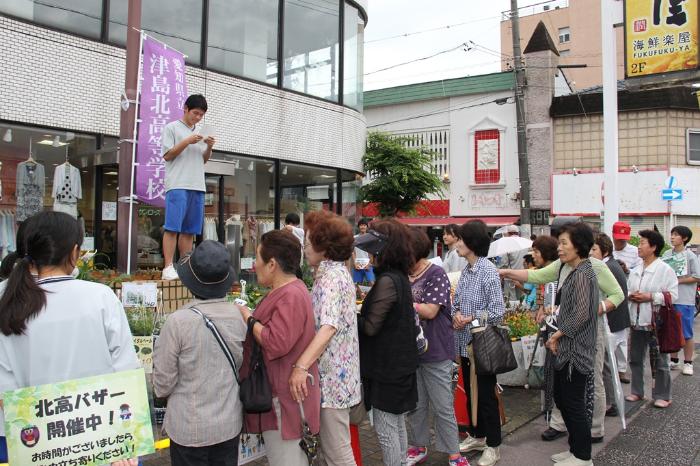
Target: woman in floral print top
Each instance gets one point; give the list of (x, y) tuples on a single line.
[(329, 243)]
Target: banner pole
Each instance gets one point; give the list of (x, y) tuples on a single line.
[(133, 154)]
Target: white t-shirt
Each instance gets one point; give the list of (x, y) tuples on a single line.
[(629, 255), (186, 171), (82, 332), (684, 264)]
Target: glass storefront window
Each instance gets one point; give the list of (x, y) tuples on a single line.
[(180, 28), (311, 48), (306, 189), (351, 187), (82, 17), (245, 187), (51, 150), (242, 38), (353, 57)]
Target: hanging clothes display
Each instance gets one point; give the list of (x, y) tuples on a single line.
[(7, 233), (210, 227), (30, 189), (67, 189)]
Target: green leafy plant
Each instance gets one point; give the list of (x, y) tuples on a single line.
[(144, 321), (401, 176)]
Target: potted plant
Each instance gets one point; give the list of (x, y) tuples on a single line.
[(522, 325), (144, 323)]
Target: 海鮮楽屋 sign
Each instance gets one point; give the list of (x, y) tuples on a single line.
[(660, 36)]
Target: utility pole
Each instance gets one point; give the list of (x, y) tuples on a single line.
[(523, 168), (610, 155), (126, 136)]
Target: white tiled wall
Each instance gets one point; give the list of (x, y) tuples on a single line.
[(59, 80)]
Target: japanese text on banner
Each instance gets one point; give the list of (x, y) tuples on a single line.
[(91, 421), (163, 95)]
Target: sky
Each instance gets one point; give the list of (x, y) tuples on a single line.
[(477, 21)]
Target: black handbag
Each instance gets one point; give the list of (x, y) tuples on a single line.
[(493, 351), (256, 392)]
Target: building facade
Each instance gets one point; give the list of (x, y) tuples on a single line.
[(285, 101), (469, 124), (575, 27), (659, 137)]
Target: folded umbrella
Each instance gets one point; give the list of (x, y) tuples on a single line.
[(617, 385)]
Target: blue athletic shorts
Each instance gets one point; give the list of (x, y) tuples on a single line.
[(687, 313), (360, 276), (184, 211)]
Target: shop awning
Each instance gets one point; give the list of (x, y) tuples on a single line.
[(442, 221)]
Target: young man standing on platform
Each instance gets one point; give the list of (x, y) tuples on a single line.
[(185, 152)]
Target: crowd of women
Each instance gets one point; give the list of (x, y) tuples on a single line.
[(324, 358)]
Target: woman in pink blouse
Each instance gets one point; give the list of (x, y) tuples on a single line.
[(329, 243), (284, 326)]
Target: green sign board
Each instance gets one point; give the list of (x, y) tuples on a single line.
[(91, 421)]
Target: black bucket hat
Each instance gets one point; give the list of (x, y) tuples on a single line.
[(372, 242), (207, 271)]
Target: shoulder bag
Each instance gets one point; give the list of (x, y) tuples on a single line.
[(224, 347), (669, 330), (535, 374), (256, 392), (493, 351)]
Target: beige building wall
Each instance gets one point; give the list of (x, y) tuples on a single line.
[(582, 17), (649, 138)]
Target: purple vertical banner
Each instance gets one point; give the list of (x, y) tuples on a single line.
[(163, 94)]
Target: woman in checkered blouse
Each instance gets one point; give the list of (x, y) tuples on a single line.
[(478, 292)]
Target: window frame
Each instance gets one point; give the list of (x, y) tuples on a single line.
[(688, 160), (487, 124), (564, 33), (487, 176)]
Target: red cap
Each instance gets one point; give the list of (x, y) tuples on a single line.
[(621, 230)]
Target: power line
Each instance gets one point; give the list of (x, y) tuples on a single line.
[(462, 45), (425, 31)]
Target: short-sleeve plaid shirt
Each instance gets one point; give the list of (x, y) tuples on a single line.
[(478, 290)]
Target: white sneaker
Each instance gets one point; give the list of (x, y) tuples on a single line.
[(489, 457), (573, 461), (470, 443), (674, 366), (559, 457), (169, 273), (687, 368)]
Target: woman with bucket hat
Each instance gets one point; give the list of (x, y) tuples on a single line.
[(204, 415)]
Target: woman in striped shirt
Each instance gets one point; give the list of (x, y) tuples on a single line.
[(573, 344)]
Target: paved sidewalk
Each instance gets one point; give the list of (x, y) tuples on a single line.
[(661, 436), (653, 436)]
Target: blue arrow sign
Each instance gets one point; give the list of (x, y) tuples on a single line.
[(672, 194)]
